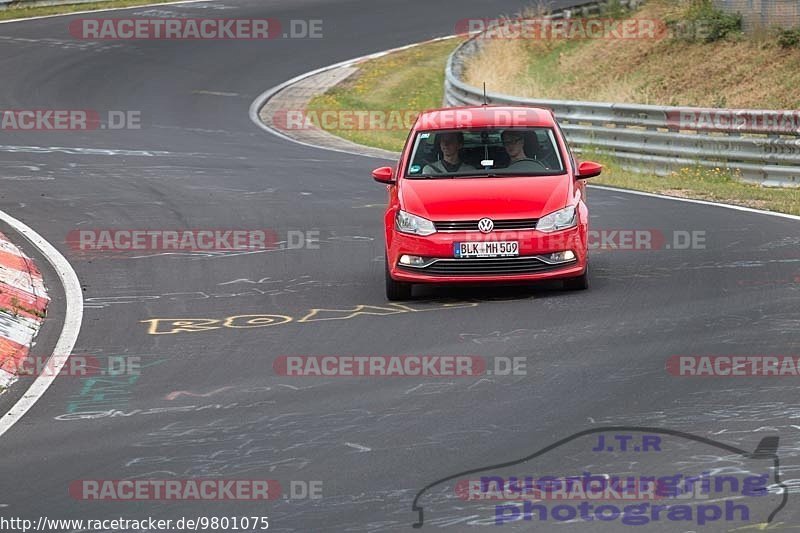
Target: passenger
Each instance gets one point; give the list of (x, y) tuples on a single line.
[(451, 144)]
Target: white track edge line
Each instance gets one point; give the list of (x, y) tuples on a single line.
[(69, 333), (701, 202)]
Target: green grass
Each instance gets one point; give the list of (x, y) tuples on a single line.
[(543, 64), (26, 12), (718, 24), (789, 38), (408, 80), (414, 79), (699, 183)]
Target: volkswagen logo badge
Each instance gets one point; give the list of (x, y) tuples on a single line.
[(485, 225)]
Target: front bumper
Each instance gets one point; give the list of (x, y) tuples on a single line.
[(532, 263)]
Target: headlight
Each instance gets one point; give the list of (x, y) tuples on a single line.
[(408, 223), (558, 220)]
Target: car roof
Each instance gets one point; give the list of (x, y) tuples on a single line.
[(484, 116)]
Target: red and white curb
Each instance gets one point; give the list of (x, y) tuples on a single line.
[(23, 302), (73, 317)]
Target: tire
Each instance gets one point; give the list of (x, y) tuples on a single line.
[(579, 283), (396, 290)]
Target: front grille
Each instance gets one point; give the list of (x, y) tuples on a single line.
[(477, 267), (472, 225)]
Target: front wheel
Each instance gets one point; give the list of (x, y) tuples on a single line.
[(578, 283), (396, 290)]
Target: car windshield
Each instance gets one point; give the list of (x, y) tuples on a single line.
[(485, 152)]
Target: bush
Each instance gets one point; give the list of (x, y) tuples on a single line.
[(704, 22), (615, 10), (789, 38)]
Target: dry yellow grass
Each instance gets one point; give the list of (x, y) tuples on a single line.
[(748, 73)]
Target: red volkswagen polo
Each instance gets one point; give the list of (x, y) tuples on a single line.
[(486, 194)]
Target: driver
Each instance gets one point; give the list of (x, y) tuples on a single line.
[(451, 144), (514, 144)]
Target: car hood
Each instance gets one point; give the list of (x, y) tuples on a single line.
[(475, 198)]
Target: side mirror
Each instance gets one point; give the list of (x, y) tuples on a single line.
[(383, 175), (589, 169)]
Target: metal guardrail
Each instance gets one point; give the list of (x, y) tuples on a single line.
[(653, 139)]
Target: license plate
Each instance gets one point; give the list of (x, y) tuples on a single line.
[(486, 249)]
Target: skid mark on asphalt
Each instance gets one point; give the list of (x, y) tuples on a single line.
[(359, 447), (750, 263), (116, 413), (178, 393), (496, 336), (792, 242), (102, 410), (32, 172), (61, 43), (92, 151), (174, 395), (424, 389), (225, 446), (269, 287), (215, 93), (765, 527)]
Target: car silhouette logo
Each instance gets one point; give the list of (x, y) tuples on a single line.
[(485, 225), (513, 503)]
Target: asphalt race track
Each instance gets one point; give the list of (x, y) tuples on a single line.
[(594, 358)]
